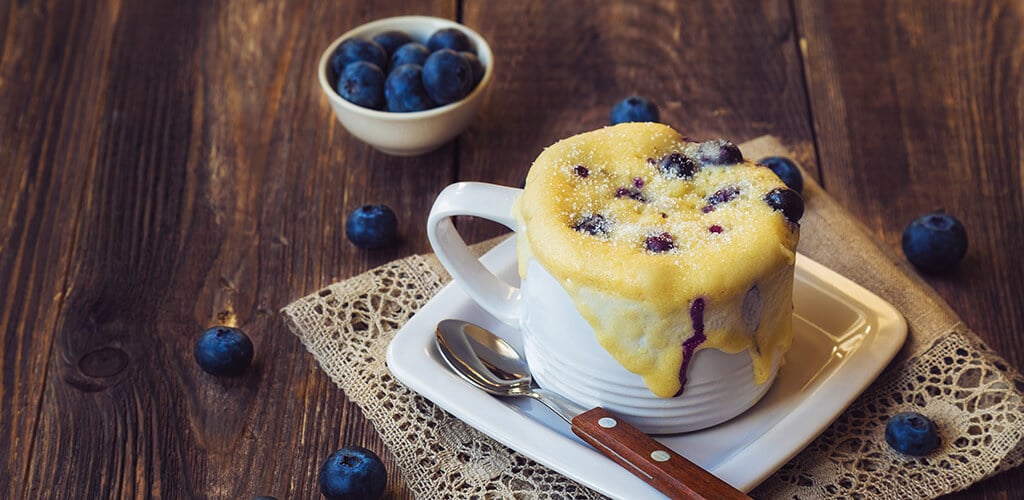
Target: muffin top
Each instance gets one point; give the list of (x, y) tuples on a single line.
[(666, 246), (636, 210)]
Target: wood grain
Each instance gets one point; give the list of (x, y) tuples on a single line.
[(170, 165), (918, 106)]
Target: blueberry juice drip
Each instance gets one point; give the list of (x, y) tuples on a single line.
[(691, 344)]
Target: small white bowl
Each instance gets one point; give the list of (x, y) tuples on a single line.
[(418, 132)]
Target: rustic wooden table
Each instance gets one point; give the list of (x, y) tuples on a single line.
[(168, 165)]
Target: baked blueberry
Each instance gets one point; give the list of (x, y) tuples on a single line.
[(661, 242), (410, 53), (935, 242), (352, 472), (718, 152), (362, 84), (391, 40), (447, 76), (787, 201), (372, 226), (449, 38), (634, 109), (223, 351), (629, 192), (786, 170), (354, 50), (721, 196), (593, 224), (404, 92), (678, 165), (912, 433)]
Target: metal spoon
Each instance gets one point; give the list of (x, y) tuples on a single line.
[(489, 363)]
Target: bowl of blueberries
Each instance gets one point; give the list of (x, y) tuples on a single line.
[(406, 85)]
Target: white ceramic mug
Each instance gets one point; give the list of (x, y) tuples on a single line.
[(560, 345)]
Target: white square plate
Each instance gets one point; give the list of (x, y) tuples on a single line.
[(844, 337)]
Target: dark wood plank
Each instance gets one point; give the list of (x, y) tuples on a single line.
[(716, 69), (43, 167), (917, 107), (185, 171)]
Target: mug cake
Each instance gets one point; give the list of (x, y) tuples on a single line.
[(668, 248)]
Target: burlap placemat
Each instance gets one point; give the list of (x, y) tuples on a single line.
[(943, 370)]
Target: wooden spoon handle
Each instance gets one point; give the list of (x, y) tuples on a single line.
[(648, 459)]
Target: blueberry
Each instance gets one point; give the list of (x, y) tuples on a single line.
[(634, 109), (362, 84), (660, 242), (410, 53), (630, 192), (935, 242), (721, 196), (223, 351), (372, 226), (391, 40), (718, 152), (404, 92), (786, 200), (911, 433), (786, 170), (677, 165), (352, 472), (354, 50), (447, 76), (593, 224), (475, 65), (449, 38)]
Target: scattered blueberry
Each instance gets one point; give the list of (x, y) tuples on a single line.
[(352, 472), (660, 242), (935, 242), (911, 433), (372, 226), (593, 224), (475, 65), (715, 228), (449, 38), (410, 53), (718, 152), (677, 165), (354, 50), (634, 109), (404, 92), (581, 171), (362, 84), (786, 170), (447, 76), (223, 351), (788, 201), (391, 40)]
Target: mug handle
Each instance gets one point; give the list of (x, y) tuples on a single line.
[(487, 201)]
